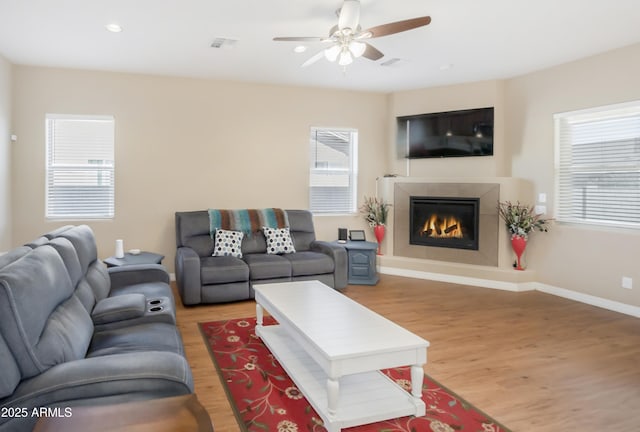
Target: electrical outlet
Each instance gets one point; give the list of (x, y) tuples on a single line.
[(627, 282)]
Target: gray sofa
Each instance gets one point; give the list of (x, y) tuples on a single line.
[(73, 332), (203, 278)]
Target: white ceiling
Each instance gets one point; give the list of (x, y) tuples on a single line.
[(467, 40)]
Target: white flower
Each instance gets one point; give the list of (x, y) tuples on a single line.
[(287, 426), (293, 393), (438, 426)]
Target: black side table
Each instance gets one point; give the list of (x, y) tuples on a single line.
[(361, 262), (131, 259)]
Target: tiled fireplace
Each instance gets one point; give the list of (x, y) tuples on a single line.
[(455, 222)]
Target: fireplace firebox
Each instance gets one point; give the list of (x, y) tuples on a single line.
[(444, 222)]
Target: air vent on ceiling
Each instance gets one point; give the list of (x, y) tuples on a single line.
[(394, 62), (223, 43)]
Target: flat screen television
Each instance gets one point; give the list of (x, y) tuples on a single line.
[(447, 134)]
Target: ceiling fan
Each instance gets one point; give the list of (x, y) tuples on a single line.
[(348, 39)]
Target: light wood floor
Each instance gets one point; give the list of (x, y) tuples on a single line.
[(533, 361)]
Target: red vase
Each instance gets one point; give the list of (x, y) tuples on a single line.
[(378, 231), (518, 243)]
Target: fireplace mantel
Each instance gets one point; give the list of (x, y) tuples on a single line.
[(494, 256)]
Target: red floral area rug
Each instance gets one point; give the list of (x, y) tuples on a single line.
[(265, 399)]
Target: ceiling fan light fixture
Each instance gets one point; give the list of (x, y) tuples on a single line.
[(332, 53), (345, 58), (357, 48), (348, 41)]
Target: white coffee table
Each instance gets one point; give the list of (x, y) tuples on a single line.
[(333, 349)]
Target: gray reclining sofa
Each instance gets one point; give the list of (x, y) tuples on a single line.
[(73, 332), (203, 278)]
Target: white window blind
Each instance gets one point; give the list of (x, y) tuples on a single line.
[(80, 167), (333, 173), (598, 166)]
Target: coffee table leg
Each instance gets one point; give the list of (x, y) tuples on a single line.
[(259, 315), (333, 389), (417, 377)]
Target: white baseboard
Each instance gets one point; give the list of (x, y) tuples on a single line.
[(172, 277), (517, 287), (463, 280), (589, 299)]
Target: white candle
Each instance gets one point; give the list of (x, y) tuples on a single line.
[(119, 249)]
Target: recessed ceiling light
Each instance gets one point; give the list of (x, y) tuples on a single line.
[(113, 28), (300, 49)]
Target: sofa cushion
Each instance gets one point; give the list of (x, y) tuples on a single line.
[(301, 227), (263, 266), (224, 269), (95, 271), (278, 240), (228, 243), (10, 376), (192, 230), (97, 276), (13, 255), (70, 258), (43, 323), (83, 290), (83, 240), (255, 243), (136, 338), (310, 263)]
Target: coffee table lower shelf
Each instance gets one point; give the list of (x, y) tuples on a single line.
[(364, 398)]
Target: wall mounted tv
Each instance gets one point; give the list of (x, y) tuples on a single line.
[(447, 134)]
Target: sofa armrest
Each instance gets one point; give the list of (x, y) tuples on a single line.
[(339, 256), (188, 276), (136, 274), (119, 308)]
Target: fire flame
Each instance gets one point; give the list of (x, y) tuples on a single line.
[(442, 227)]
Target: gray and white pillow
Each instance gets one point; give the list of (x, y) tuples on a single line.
[(228, 243), (278, 240)]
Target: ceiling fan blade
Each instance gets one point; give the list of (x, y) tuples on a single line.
[(396, 27), (299, 39), (349, 15), (372, 53), (313, 59)]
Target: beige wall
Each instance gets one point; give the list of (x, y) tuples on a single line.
[(5, 155), (582, 259), (189, 144), (579, 258), (451, 98), (185, 144)]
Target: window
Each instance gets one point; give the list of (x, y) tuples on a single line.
[(598, 166), (80, 168), (333, 173)]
